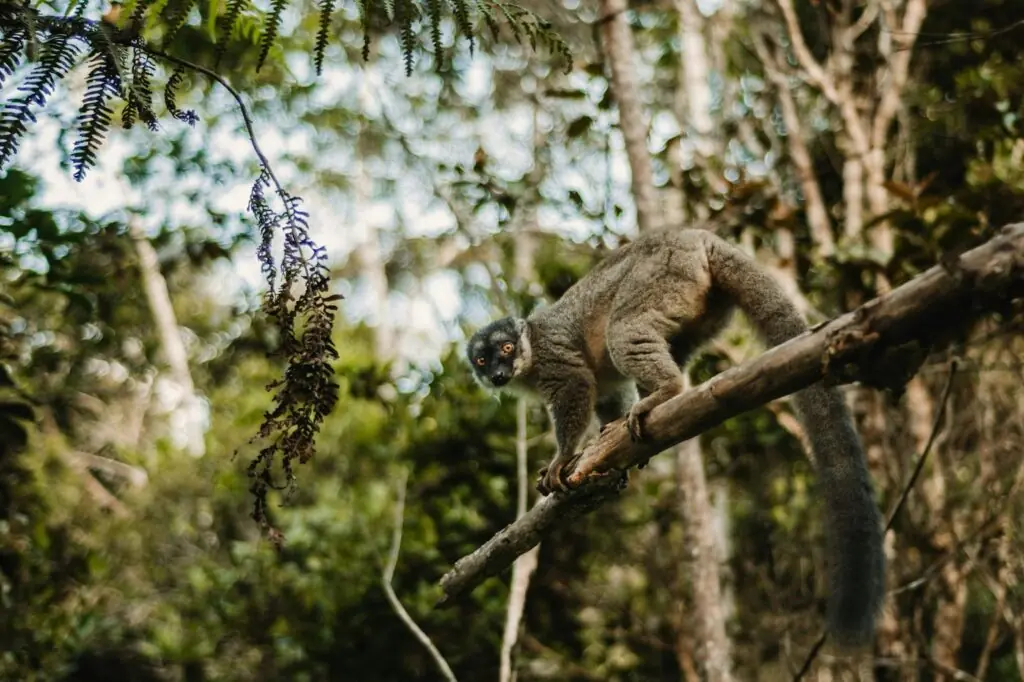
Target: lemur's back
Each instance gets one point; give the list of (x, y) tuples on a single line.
[(626, 273)]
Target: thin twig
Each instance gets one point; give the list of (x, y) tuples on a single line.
[(246, 116), (811, 655), (389, 573), (249, 129), (939, 414)]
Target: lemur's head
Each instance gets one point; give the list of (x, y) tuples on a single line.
[(499, 352)]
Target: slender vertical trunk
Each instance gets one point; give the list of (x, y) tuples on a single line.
[(369, 254), (526, 564), (708, 605), (817, 215), (693, 95), (697, 515), (171, 344), (618, 48), (853, 198)]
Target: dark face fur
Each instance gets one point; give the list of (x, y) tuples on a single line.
[(493, 351)]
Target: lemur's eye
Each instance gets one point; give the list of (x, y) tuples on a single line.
[(480, 362), (507, 348)]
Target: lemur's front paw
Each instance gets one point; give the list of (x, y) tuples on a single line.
[(552, 477), (634, 422)]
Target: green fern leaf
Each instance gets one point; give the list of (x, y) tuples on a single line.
[(491, 19), (139, 12), (139, 94), (364, 18), (270, 32), (171, 98), (511, 18), (101, 85), (174, 15), (226, 26), (405, 15), (326, 10), (57, 58), (460, 10), (434, 13), (11, 50)]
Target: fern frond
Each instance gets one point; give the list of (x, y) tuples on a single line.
[(364, 18), (174, 15), (131, 108), (226, 26), (491, 19), (270, 32), (266, 220), (55, 61), (11, 51), (326, 10), (171, 98), (510, 18), (102, 84), (460, 10), (139, 93), (405, 16), (523, 23), (308, 392), (434, 14), (141, 7)]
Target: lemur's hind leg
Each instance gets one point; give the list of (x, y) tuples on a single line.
[(639, 348)]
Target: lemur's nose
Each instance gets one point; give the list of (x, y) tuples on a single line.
[(499, 378)]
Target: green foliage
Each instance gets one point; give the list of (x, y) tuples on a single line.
[(102, 85), (11, 51), (139, 100), (326, 10), (307, 392), (277, 8), (171, 89), (57, 58)]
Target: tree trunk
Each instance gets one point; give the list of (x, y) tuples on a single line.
[(697, 513), (191, 409), (713, 647), (618, 48), (368, 253)]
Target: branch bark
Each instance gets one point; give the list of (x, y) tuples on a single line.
[(917, 311)]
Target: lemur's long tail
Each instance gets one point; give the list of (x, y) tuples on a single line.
[(853, 523)]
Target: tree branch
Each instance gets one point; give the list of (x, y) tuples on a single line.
[(817, 214), (389, 591), (899, 67), (842, 350)]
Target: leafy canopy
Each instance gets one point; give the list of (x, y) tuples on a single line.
[(130, 50)]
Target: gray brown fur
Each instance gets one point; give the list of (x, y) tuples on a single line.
[(629, 325)]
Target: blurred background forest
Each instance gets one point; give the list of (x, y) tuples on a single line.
[(847, 144)]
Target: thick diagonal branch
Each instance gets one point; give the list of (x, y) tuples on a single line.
[(852, 346)]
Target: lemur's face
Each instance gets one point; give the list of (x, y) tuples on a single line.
[(493, 351)]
